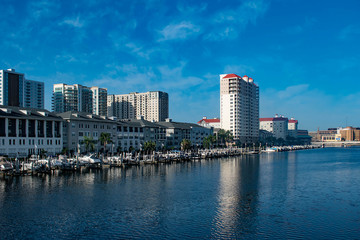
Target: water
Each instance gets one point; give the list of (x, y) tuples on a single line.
[(312, 194)]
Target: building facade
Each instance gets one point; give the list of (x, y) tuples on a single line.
[(239, 107), (25, 131), (17, 91), (153, 106), (293, 128), (278, 126), (79, 98)]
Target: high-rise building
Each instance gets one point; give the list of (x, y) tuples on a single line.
[(16, 90), (99, 101), (239, 107), (153, 106), (79, 98)]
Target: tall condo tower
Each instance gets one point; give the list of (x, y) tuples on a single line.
[(16, 90), (239, 107), (79, 98), (153, 106)]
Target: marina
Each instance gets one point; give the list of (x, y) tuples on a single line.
[(38, 166)]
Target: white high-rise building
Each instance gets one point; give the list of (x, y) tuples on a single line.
[(239, 107), (79, 98), (99, 101), (153, 106), (16, 90)]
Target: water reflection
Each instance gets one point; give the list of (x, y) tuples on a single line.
[(309, 194), (237, 198)]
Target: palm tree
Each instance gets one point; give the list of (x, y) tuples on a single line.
[(209, 141), (89, 143), (185, 144), (149, 146), (105, 139), (224, 137)]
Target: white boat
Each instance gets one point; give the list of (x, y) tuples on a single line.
[(91, 159), (6, 166), (270, 150)]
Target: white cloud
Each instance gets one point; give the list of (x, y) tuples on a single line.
[(293, 91), (43, 8), (229, 23), (74, 22), (349, 32), (182, 30)]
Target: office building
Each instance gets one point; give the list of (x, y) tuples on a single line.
[(153, 106), (17, 91), (239, 107)]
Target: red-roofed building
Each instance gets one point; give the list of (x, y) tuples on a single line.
[(277, 125), (293, 128), (205, 122), (239, 107)]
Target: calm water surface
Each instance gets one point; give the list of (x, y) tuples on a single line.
[(312, 194)]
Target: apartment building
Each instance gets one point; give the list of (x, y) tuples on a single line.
[(79, 98), (153, 106), (277, 125), (239, 107), (17, 91), (177, 131), (78, 125), (25, 131), (293, 128)]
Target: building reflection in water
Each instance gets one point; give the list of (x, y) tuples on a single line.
[(237, 198)]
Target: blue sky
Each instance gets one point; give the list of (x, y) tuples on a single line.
[(304, 55)]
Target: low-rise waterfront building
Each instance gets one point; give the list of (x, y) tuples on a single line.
[(25, 131), (292, 128), (277, 125), (78, 125), (177, 131)]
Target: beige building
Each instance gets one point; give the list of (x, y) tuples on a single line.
[(277, 125), (239, 107), (153, 106)]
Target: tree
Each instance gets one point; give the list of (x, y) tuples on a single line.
[(149, 146), (105, 139), (185, 144), (89, 143), (209, 141), (224, 137)]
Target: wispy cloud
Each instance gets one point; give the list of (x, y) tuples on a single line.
[(349, 32), (297, 29), (74, 22), (293, 91), (43, 8), (229, 23), (180, 31)]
